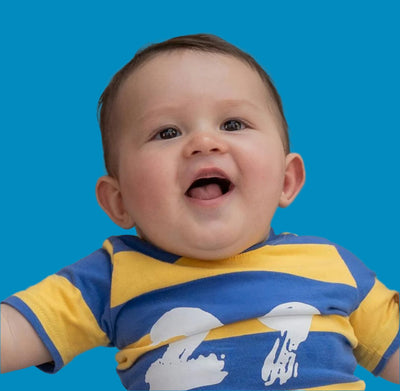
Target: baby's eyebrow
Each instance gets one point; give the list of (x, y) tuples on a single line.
[(238, 103), (222, 104), (168, 109)]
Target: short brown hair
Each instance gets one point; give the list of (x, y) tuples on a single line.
[(197, 42)]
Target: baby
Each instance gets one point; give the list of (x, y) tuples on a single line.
[(207, 296)]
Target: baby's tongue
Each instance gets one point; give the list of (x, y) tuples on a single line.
[(206, 192)]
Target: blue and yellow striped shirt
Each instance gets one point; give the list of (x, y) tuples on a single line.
[(290, 313)]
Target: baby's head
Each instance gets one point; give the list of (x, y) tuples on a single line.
[(201, 43), (196, 148)]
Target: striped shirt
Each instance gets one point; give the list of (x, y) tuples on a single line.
[(292, 312)]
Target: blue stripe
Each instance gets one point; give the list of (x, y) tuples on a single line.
[(20, 306), (129, 243), (231, 298), (323, 359), (295, 239), (364, 277), (272, 240)]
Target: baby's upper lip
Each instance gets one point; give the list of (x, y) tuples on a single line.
[(211, 172)]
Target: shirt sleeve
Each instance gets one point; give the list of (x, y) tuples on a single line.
[(375, 316), (69, 310), (376, 325)]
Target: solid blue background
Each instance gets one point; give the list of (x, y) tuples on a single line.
[(335, 64)]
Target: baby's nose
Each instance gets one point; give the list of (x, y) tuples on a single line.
[(205, 143)]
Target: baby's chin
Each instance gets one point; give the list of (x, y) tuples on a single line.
[(209, 251)]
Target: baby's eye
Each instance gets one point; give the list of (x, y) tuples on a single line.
[(233, 125), (167, 134)]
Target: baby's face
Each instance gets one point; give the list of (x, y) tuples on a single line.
[(201, 163)]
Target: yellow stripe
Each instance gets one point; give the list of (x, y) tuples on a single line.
[(333, 323), (314, 261), (127, 356), (107, 245), (383, 306), (357, 385), (65, 316)]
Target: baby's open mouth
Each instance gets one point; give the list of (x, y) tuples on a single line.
[(209, 188)]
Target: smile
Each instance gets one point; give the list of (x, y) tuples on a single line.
[(209, 188), (209, 185)]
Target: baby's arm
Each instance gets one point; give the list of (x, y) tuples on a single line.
[(391, 370), (21, 347)]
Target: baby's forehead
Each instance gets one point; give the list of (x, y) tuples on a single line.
[(183, 76), (183, 67), (175, 57)]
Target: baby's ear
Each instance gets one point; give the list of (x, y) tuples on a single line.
[(295, 177), (109, 197)]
